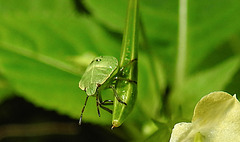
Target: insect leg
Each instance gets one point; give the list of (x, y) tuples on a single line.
[(98, 103), (132, 61), (107, 102), (116, 95), (105, 108), (80, 120), (122, 73), (126, 79), (104, 103)]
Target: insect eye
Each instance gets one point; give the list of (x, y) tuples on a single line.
[(98, 60)]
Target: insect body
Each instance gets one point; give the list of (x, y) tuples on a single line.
[(99, 75)]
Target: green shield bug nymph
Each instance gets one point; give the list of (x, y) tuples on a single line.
[(100, 74)]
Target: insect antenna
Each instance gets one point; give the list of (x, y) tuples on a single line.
[(80, 120)]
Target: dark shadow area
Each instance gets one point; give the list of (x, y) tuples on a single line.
[(19, 118)]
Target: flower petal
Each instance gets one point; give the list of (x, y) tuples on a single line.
[(216, 118)]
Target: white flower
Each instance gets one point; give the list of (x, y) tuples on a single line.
[(216, 119)]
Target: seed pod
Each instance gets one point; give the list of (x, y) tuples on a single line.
[(128, 67)]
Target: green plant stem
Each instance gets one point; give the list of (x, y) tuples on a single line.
[(129, 44), (182, 44)]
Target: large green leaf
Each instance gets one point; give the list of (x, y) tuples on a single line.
[(81, 35), (38, 6), (46, 85), (36, 56), (211, 23), (216, 78)]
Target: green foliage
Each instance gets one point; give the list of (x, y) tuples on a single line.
[(45, 47), (208, 29), (215, 78), (36, 57)]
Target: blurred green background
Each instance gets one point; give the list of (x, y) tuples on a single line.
[(45, 46)]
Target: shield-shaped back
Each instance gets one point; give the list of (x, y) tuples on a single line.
[(97, 72)]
